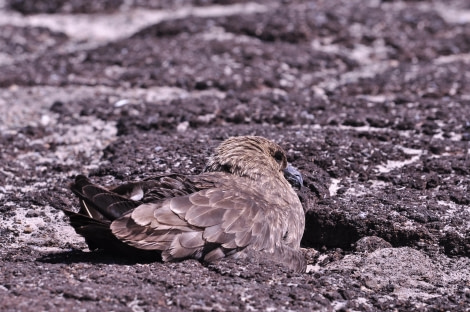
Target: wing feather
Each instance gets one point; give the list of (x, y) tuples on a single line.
[(205, 216), (215, 234), (167, 218), (243, 238), (144, 214), (180, 205), (158, 187), (205, 223), (215, 254), (191, 240)]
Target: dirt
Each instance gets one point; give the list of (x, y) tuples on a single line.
[(369, 98)]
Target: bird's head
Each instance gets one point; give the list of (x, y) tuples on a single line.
[(253, 157)]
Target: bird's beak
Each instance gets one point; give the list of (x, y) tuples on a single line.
[(293, 176)]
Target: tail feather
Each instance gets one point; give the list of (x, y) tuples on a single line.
[(98, 202), (98, 208), (97, 233)]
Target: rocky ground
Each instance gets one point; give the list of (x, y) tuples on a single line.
[(371, 99)]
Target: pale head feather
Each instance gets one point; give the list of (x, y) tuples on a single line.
[(248, 156)]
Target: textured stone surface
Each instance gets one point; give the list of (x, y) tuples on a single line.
[(369, 98)]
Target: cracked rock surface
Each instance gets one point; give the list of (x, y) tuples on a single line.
[(370, 99)]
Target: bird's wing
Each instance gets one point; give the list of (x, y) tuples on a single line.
[(157, 188), (208, 224)]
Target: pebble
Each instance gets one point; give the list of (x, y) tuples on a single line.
[(182, 127), (27, 229), (121, 103)]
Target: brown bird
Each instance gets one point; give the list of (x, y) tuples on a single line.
[(242, 204)]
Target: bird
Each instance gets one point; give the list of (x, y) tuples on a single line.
[(244, 202)]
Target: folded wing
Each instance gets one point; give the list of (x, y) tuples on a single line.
[(207, 225)]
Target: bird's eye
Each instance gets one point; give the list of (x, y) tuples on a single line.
[(278, 156)]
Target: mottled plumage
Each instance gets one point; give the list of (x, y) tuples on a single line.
[(243, 202)]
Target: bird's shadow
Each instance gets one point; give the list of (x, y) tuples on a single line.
[(98, 257), (243, 267)]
